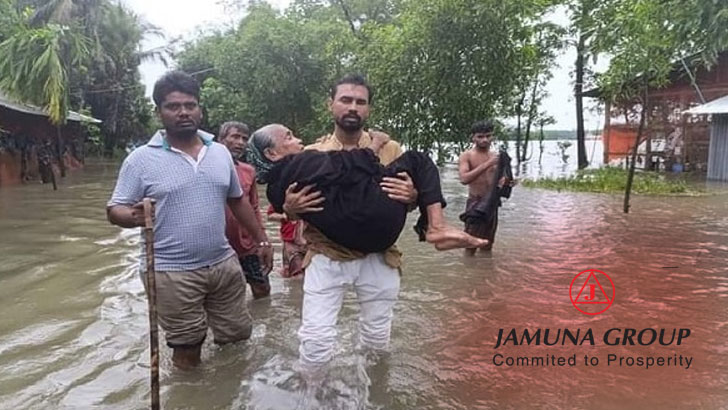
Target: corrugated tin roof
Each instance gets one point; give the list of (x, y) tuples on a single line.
[(717, 106), (12, 104)]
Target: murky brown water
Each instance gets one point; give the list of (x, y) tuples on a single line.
[(73, 333)]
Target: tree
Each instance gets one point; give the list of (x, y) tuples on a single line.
[(652, 35), (435, 65), (271, 68), (543, 120), (80, 55), (35, 64), (542, 45), (581, 14), (112, 87), (443, 64)]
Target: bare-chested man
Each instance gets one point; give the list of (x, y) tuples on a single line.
[(479, 170)]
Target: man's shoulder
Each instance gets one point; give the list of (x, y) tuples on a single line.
[(244, 165), (390, 152), (321, 144), (394, 145), (245, 168), (218, 148), (466, 155), (140, 155)]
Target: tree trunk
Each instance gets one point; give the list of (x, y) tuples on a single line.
[(540, 144), (633, 161), (59, 152), (519, 112), (24, 162), (529, 120), (578, 88)]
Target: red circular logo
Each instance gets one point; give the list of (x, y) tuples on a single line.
[(590, 292)]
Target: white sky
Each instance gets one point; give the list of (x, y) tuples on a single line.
[(188, 21)]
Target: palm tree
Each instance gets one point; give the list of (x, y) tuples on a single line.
[(108, 83), (35, 64)]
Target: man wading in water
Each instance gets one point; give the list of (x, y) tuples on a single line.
[(330, 267), (488, 177), (234, 135), (191, 178)]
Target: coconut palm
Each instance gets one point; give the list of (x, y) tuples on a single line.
[(34, 65)]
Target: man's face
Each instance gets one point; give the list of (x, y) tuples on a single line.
[(350, 106), (483, 140), (284, 143), (236, 141), (180, 114)]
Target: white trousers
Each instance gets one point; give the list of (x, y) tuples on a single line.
[(376, 286)]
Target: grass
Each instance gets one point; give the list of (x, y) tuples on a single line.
[(614, 180)]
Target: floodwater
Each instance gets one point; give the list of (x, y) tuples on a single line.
[(74, 330)]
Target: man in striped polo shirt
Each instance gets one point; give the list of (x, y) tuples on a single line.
[(191, 178)]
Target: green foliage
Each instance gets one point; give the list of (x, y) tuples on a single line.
[(646, 37), (63, 54), (271, 68), (112, 87), (613, 180), (34, 65), (435, 65), (447, 63)]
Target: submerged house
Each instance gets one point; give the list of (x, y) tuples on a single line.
[(672, 140), (718, 151), (32, 148)]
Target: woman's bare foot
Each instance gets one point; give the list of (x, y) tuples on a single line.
[(446, 237)]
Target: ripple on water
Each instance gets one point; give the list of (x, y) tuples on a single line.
[(75, 332)]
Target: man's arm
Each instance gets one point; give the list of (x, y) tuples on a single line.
[(255, 202), (245, 215), (126, 209), (126, 216)]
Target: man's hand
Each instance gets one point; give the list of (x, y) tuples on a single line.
[(303, 201), (400, 188), (137, 214), (128, 216), (504, 181), (491, 162), (265, 255)]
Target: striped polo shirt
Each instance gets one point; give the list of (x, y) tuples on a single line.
[(189, 229)]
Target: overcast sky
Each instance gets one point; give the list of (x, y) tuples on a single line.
[(194, 17)]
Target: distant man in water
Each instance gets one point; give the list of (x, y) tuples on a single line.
[(488, 177), (234, 135), (191, 178)]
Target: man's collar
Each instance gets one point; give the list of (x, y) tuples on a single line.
[(364, 140), (159, 139)]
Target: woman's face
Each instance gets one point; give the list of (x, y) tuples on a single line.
[(285, 143)]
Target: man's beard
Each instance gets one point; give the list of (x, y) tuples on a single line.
[(184, 132), (350, 126)]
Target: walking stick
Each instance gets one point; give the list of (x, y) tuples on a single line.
[(152, 298)]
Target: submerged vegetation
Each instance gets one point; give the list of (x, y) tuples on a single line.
[(613, 180)]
